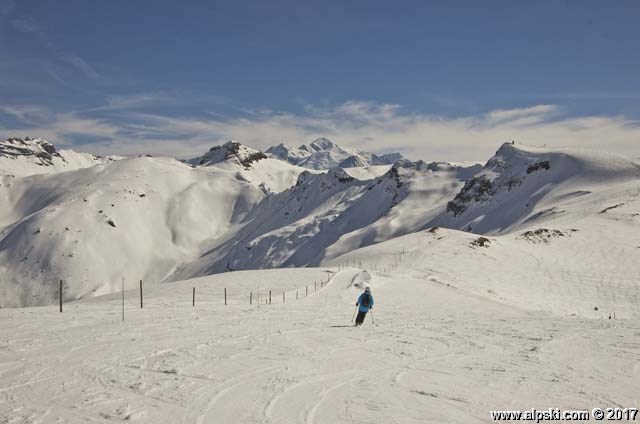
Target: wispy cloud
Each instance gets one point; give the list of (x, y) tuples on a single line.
[(367, 125), (28, 115), (81, 65), (28, 25), (126, 101)]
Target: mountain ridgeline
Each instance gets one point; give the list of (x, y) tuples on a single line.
[(323, 154), (237, 208)]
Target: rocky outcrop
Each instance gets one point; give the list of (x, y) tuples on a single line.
[(230, 151), (38, 148)]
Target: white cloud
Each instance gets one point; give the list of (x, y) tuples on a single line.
[(125, 101), (366, 125), (81, 65)]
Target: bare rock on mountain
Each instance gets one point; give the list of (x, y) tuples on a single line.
[(230, 151)]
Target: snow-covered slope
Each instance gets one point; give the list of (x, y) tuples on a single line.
[(586, 269), (433, 350), (542, 311), (329, 214), (524, 186), (324, 154), (235, 209), (367, 172), (135, 217), (30, 156)]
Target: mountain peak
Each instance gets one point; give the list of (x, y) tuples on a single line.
[(322, 144), (229, 151), (38, 148), (323, 153)]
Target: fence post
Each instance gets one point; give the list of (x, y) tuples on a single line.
[(306, 290), (250, 298), (296, 294), (315, 285), (140, 294), (60, 291), (269, 297), (193, 298), (225, 296), (283, 300)]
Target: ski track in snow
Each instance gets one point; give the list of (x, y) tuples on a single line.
[(436, 354)]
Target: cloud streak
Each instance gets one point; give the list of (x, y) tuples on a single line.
[(81, 65), (366, 125)]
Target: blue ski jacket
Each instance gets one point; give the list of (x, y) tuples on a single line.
[(363, 308)]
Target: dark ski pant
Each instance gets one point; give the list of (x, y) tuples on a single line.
[(360, 317)]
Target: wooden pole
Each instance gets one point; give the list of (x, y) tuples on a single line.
[(306, 290), (193, 301), (60, 291), (315, 285), (122, 299), (250, 298), (269, 297), (296, 294), (141, 294), (283, 300), (225, 296)]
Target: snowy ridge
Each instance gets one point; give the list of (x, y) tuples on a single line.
[(253, 166), (322, 153), (524, 186), (30, 156), (165, 220), (328, 214)]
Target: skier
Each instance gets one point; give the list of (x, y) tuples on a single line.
[(365, 302)]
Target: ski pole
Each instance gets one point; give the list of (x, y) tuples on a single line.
[(354, 313), (372, 320)]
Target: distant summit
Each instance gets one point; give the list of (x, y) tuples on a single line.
[(39, 149), (30, 156), (322, 153), (230, 151)]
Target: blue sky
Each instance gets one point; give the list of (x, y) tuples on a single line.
[(437, 79)]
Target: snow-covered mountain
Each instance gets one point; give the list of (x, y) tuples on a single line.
[(326, 215), (137, 217), (231, 151), (272, 175), (538, 306), (324, 154), (235, 208), (29, 156), (523, 186)]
